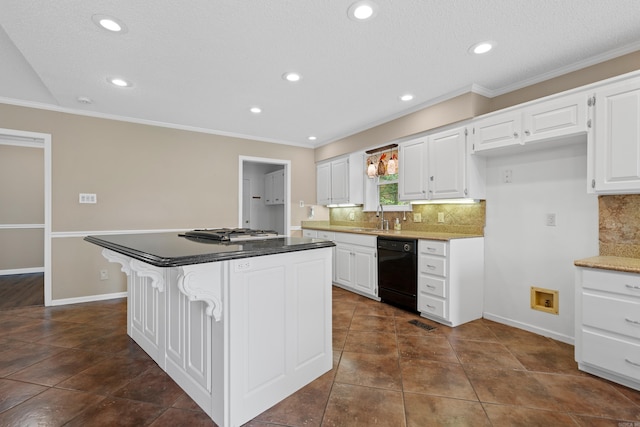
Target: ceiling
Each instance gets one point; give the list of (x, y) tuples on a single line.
[(203, 66)]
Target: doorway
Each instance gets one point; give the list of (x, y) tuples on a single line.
[(22, 233), (256, 209)]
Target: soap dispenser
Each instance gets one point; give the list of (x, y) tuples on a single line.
[(397, 225)]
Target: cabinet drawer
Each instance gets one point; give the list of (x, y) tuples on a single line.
[(356, 239), (432, 265), (612, 354), (432, 286), (435, 306), (611, 314), (327, 235), (607, 281), (432, 247), (309, 233)]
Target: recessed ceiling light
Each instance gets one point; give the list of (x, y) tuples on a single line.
[(406, 97), (120, 82), (482, 47), (292, 77), (362, 10), (256, 110), (109, 23), (312, 138)]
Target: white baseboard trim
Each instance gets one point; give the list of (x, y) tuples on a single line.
[(22, 271), (531, 328), (90, 298)]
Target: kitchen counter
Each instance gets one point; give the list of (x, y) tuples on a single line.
[(411, 234), (628, 265), (172, 250)]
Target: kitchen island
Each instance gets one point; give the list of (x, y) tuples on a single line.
[(238, 325)]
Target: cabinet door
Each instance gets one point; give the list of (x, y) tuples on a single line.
[(446, 155), (556, 118), (344, 271), (617, 138), (268, 189), (498, 131), (365, 270), (412, 183), (340, 181), (277, 179), (323, 183)]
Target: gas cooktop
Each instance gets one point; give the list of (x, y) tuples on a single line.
[(230, 234)]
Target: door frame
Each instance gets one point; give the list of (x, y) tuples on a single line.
[(38, 140), (287, 186)]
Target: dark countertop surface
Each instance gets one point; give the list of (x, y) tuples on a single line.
[(171, 250)]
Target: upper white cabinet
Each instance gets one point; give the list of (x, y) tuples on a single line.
[(412, 173), (438, 166), (341, 180), (274, 188), (617, 138), (537, 122), (446, 154)]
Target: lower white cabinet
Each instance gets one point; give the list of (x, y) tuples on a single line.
[(607, 342), (355, 266), (451, 280)]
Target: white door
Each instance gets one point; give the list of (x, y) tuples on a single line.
[(246, 203)]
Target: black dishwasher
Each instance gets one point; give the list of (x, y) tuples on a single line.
[(398, 272)]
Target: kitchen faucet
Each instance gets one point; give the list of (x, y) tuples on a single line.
[(384, 224)]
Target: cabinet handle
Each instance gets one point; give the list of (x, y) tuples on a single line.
[(593, 183), (515, 134), (626, 360), (589, 123), (433, 307), (430, 286), (635, 322), (633, 287), (431, 249), (431, 267), (527, 133)]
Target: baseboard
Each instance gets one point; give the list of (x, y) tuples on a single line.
[(90, 298), (22, 271), (531, 328)]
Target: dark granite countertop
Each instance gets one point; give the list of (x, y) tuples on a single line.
[(172, 250)]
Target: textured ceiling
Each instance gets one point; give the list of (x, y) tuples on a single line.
[(202, 64)]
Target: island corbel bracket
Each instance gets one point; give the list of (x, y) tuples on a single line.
[(203, 282), (123, 260), (145, 270)]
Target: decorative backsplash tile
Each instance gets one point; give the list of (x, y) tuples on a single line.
[(458, 218), (619, 225)]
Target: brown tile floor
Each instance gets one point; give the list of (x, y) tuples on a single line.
[(75, 366)]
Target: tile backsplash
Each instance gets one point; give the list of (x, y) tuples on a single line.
[(619, 225), (458, 218)]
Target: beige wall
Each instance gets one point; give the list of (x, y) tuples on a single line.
[(21, 202), (145, 177)]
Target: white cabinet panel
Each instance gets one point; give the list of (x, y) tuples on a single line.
[(412, 173), (556, 118), (447, 164), (497, 131), (341, 181), (617, 138), (356, 267)]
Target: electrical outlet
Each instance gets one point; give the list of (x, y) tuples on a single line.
[(352, 216), (104, 275), (87, 198), (417, 217), (507, 176), (302, 203), (440, 216)]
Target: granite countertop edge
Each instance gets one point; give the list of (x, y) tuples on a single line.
[(202, 258), (614, 263), (428, 235)]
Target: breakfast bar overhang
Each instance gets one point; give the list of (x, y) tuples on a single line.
[(238, 325)]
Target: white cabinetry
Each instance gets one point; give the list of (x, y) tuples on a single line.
[(438, 166), (617, 138), (341, 181), (412, 173), (356, 263), (543, 121), (274, 188), (451, 280), (608, 325)]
